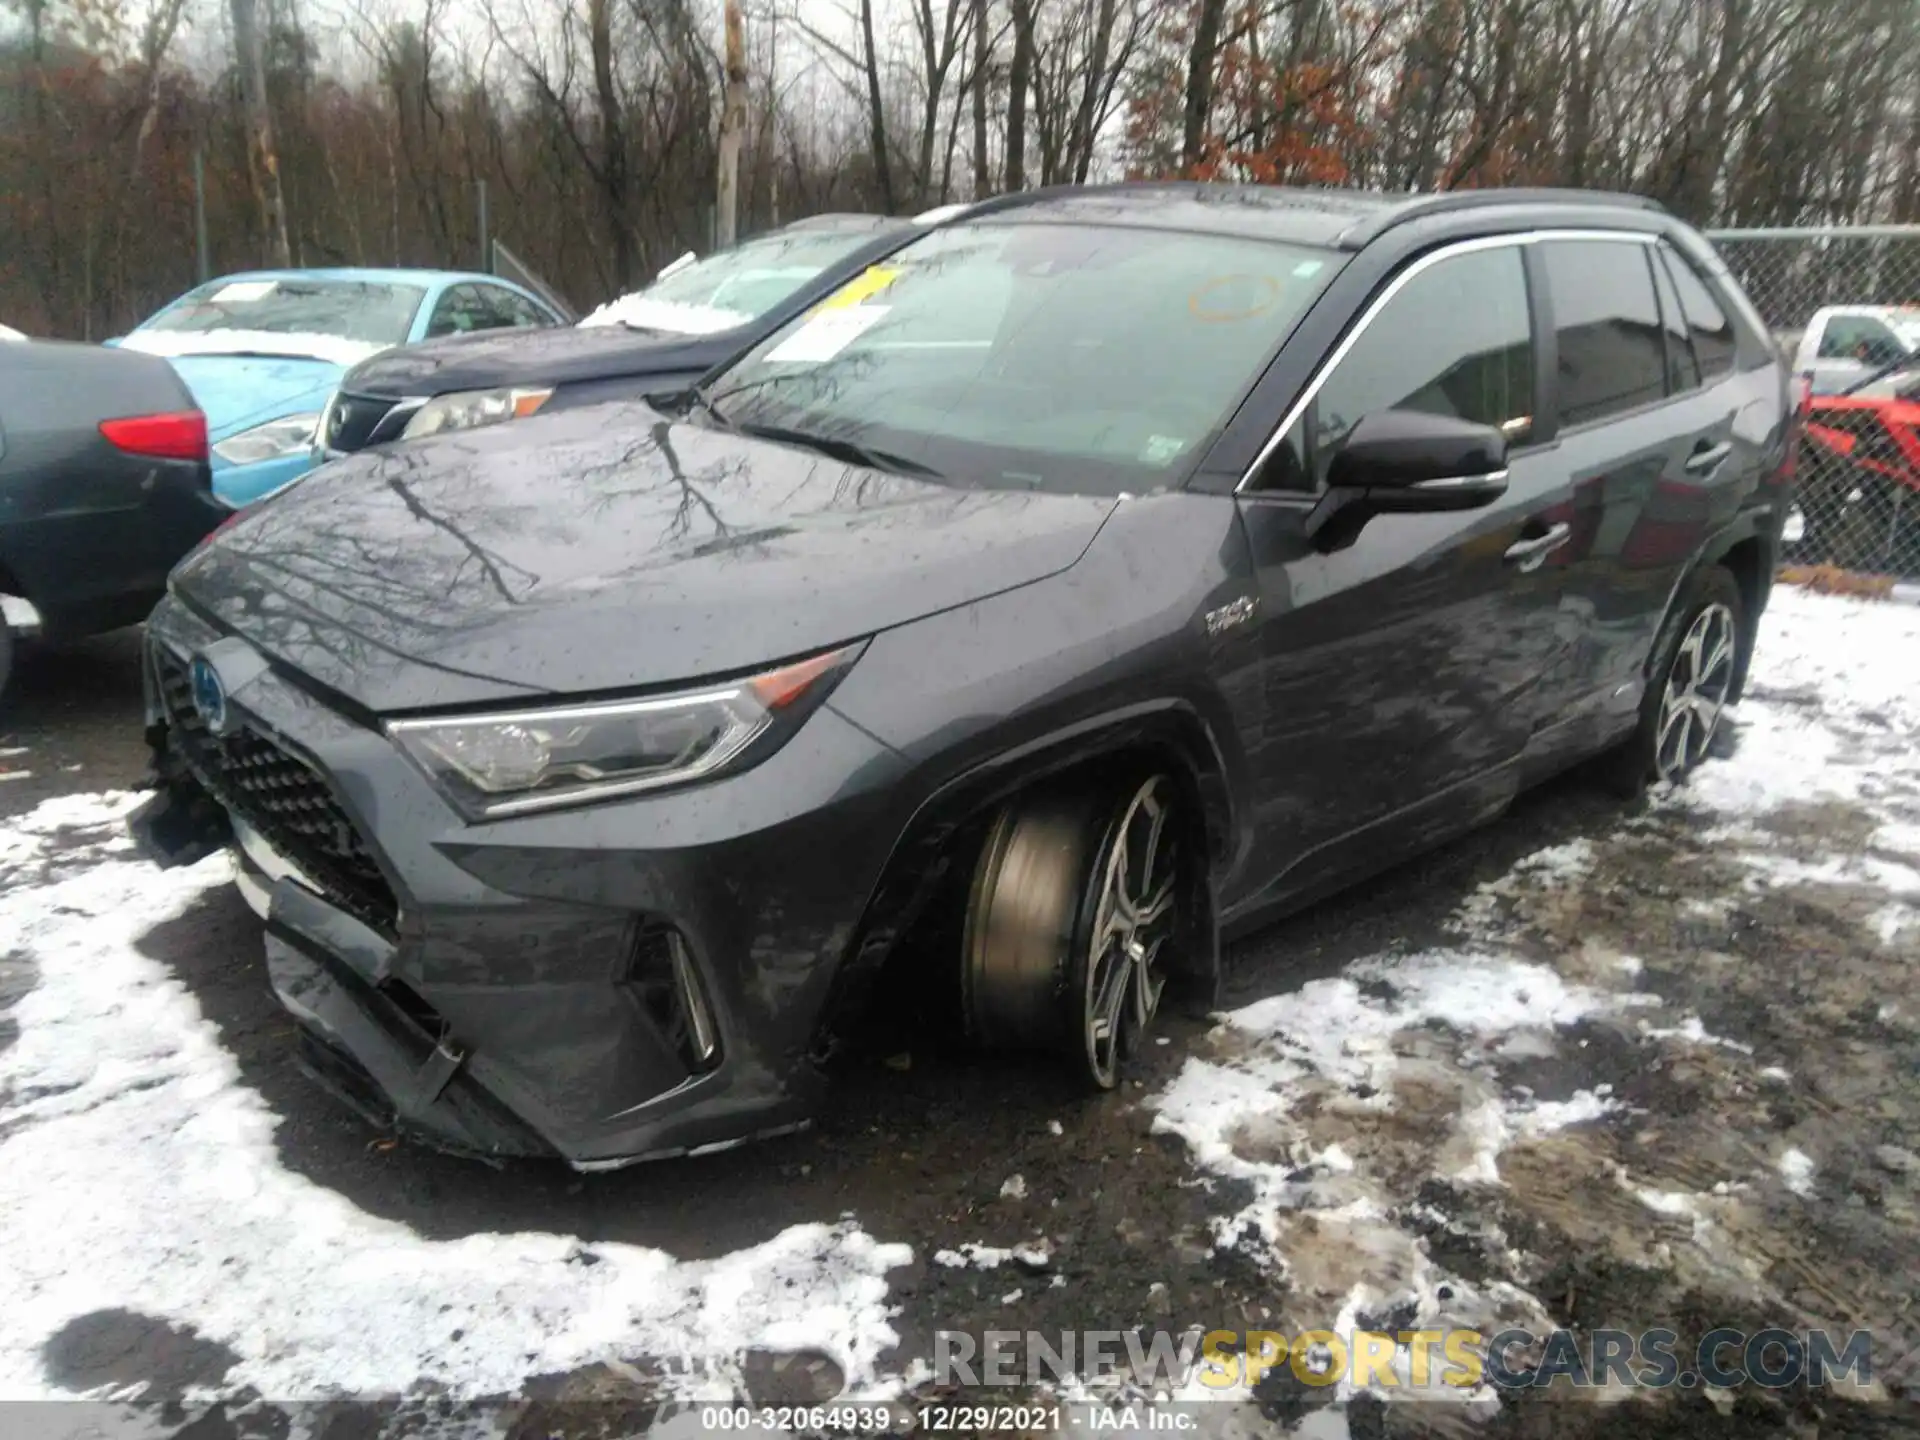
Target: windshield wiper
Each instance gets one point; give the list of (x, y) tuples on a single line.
[(851, 451), (696, 398)]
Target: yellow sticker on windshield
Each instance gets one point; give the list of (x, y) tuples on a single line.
[(864, 286)]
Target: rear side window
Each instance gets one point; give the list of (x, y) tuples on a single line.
[(1456, 340), (1711, 330), (1612, 351)]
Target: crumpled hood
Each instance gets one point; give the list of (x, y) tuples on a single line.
[(237, 392), (600, 550)]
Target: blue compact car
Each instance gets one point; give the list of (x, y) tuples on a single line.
[(263, 351)]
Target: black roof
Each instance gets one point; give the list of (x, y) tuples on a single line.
[(1343, 219)]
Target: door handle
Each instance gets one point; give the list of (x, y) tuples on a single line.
[(1532, 554), (1707, 458)]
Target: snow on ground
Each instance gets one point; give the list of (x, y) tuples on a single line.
[(1382, 1126), (1338, 1103), (137, 1172)]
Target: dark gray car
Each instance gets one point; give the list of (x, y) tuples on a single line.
[(1119, 568), (662, 338), (103, 487)]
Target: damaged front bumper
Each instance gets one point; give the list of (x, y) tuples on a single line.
[(333, 973), (632, 980)]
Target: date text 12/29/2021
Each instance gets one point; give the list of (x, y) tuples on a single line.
[(882, 1418), (949, 1419)]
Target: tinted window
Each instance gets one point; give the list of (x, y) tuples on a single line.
[(1059, 356), (518, 311), (1612, 354), (490, 310), (1711, 330), (452, 313), (1683, 372), (466, 308), (1456, 340), (1862, 338)]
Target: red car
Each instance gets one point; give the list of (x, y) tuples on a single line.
[(1859, 502)]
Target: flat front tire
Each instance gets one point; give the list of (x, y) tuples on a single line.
[(1075, 900)]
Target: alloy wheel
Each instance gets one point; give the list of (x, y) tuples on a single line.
[(1133, 917), (1696, 693)]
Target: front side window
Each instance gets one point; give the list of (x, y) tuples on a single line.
[(370, 312), (517, 310), (1456, 339), (1612, 350), (1035, 355), (464, 309)]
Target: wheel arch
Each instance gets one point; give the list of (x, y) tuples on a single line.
[(1751, 558), (1747, 549), (940, 835)]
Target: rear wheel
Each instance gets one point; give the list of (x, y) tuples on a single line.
[(1075, 900), (1695, 658)]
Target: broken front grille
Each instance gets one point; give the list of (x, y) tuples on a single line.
[(283, 797)]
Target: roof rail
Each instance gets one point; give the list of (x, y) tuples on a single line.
[(1418, 206), (1396, 209)]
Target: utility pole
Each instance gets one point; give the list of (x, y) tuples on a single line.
[(203, 263), (481, 220), (263, 161), (733, 121)]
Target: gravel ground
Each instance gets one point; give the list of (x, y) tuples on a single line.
[(1598, 1065)]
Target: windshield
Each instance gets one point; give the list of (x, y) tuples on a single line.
[(364, 312), (1068, 357), (733, 287)]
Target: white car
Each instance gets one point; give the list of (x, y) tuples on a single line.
[(1844, 344), (7, 332)]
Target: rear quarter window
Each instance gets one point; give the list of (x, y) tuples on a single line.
[(1712, 332)]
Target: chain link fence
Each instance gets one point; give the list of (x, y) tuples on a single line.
[(1844, 304)]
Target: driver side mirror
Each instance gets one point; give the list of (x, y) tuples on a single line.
[(1405, 462)]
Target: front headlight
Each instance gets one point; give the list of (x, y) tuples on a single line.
[(289, 435), (466, 409), (504, 764)]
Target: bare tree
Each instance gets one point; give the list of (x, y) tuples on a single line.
[(733, 122), (599, 126), (263, 160), (1201, 60)]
